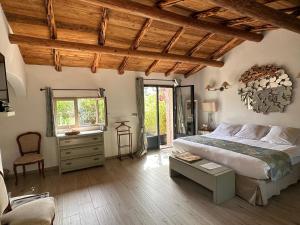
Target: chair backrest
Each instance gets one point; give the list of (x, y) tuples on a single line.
[(4, 202), (29, 142)]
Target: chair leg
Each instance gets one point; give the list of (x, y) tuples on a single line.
[(43, 168), (16, 174), (39, 165), (24, 170)]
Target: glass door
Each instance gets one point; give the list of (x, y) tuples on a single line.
[(184, 111), (151, 117), (165, 116), (159, 116)]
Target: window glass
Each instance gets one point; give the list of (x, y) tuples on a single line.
[(87, 109), (102, 111), (85, 113), (65, 113)]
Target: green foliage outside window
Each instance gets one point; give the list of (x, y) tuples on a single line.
[(65, 113), (89, 111), (87, 108), (151, 115)]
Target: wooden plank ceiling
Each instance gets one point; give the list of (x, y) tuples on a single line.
[(87, 22)]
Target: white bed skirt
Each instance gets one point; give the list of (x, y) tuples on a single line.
[(257, 192)]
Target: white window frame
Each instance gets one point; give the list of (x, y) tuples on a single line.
[(62, 129)]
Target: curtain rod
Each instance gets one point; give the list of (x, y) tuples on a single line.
[(71, 89)]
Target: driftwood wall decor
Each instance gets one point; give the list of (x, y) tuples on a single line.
[(266, 89)]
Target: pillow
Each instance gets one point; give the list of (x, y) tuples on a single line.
[(282, 135), (253, 131), (225, 129)]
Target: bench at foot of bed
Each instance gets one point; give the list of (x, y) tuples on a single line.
[(221, 181)]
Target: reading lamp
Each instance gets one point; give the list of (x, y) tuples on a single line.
[(210, 108)]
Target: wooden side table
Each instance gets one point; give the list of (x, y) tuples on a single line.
[(124, 130)]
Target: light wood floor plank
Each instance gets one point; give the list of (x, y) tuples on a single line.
[(140, 191)]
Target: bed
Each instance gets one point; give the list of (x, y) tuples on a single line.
[(254, 182)]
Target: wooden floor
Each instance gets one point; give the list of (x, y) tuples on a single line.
[(141, 192)]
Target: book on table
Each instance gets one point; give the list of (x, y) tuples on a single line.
[(187, 156)]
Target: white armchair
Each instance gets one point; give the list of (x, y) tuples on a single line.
[(36, 212)]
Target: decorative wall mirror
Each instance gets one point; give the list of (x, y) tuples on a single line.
[(266, 89)]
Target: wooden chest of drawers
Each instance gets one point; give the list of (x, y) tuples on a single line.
[(80, 151)]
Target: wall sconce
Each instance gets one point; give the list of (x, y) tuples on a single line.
[(224, 86)]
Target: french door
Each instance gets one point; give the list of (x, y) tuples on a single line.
[(158, 116), (184, 111)]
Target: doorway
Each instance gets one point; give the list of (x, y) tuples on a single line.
[(159, 116)]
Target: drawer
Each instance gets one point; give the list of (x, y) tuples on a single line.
[(81, 140), (80, 163), (82, 151)]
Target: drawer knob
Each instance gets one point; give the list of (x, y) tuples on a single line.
[(68, 153), (69, 163), (95, 138), (96, 148)]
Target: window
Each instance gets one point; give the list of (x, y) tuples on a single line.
[(80, 113)]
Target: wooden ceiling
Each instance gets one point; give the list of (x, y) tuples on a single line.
[(172, 36)]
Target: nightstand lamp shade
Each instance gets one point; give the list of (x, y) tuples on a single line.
[(209, 107)]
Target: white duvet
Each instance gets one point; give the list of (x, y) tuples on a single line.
[(242, 164)]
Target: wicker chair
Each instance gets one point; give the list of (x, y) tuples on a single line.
[(29, 146)]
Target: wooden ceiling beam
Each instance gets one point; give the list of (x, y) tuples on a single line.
[(136, 43), (168, 3), (138, 9), (258, 11), (192, 51), (217, 54), (88, 48), (57, 62), (244, 20), (166, 49), (209, 12), (101, 38), (53, 33)]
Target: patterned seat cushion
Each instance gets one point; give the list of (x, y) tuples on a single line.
[(28, 158)]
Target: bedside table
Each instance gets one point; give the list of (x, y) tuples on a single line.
[(204, 131)]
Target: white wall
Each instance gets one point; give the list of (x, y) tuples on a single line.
[(31, 115), (13, 59), (279, 47)]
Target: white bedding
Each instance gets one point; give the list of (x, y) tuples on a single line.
[(242, 164)]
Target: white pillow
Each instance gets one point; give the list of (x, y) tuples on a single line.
[(282, 135), (253, 131), (225, 129)]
